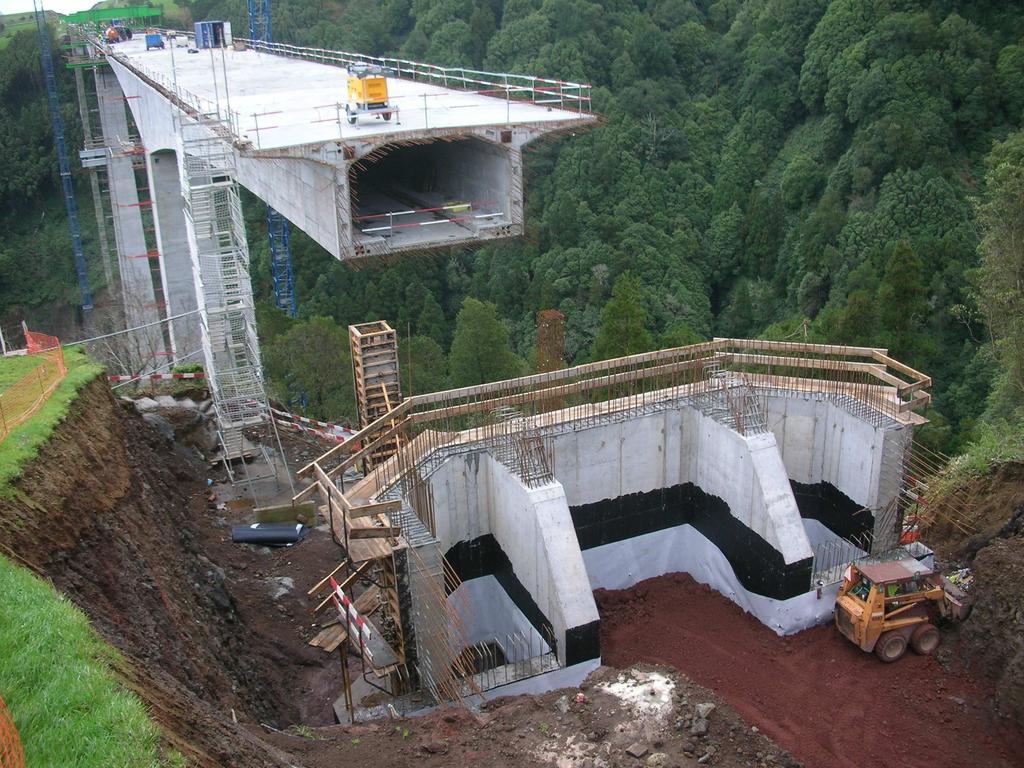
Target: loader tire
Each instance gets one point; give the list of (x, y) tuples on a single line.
[(925, 639), (890, 647)]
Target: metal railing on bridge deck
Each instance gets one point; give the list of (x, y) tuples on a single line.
[(718, 377), (512, 88), (565, 94)]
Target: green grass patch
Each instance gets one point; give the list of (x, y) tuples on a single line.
[(13, 368), (57, 679), (994, 444), (22, 444)]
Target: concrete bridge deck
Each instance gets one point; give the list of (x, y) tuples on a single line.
[(446, 170), (277, 102)]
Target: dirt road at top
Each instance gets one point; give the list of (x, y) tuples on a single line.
[(815, 694)]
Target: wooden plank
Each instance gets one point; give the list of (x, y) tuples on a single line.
[(349, 580), (328, 635), (322, 604), (798, 346), (920, 400), (367, 602), (695, 353), (298, 497), (904, 369), (353, 577), (320, 584), (366, 550), (519, 398), (376, 508), (370, 447), (337, 639), (304, 513), (327, 484), (362, 434), (386, 532), (879, 372)]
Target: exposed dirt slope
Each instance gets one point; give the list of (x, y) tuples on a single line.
[(116, 519), (994, 634), (814, 693), (992, 638)]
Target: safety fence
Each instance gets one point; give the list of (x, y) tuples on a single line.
[(323, 429), (11, 754), (157, 377), (26, 395)]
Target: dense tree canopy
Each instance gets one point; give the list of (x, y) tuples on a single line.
[(480, 351), (765, 167)]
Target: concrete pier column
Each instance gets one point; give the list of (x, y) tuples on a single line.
[(175, 259), (140, 305)]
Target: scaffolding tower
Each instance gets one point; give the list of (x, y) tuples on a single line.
[(281, 262), (378, 389), (220, 265), (67, 187), (277, 225)]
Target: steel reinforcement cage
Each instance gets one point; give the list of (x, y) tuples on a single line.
[(725, 378)]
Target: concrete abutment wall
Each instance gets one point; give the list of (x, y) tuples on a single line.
[(670, 491)]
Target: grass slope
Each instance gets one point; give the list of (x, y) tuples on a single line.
[(57, 676), (14, 367), (16, 22), (22, 444), (57, 679)]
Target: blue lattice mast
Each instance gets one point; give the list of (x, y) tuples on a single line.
[(46, 60), (277, 225)]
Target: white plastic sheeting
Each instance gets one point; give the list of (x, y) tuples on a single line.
[(487, 612), (683, 549), (566, 677)]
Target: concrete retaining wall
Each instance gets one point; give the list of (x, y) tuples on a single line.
[(684, 446), (474, 495), (821, 441)]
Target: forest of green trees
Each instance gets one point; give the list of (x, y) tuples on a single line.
[(843, 171)]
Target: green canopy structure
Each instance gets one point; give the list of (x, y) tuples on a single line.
[(99, 15)]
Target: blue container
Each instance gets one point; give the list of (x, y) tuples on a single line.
[(154, 41)]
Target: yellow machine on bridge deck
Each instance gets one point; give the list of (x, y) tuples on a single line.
[(367, 92)]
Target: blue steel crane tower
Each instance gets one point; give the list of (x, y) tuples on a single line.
[(277, 225), (46, 60)]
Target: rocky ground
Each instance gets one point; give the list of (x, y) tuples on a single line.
[(639, 717)]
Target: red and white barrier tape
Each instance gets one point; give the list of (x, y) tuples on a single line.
[(312, 430), (347, 613), (158, 377), (304, 420)]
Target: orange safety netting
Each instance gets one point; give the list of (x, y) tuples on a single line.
[(40, 342), (11, 755), (27, 395)]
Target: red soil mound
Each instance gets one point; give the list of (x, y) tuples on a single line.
[(814, 693)]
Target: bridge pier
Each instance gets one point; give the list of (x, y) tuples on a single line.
[(173, 245), (141, 303)]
